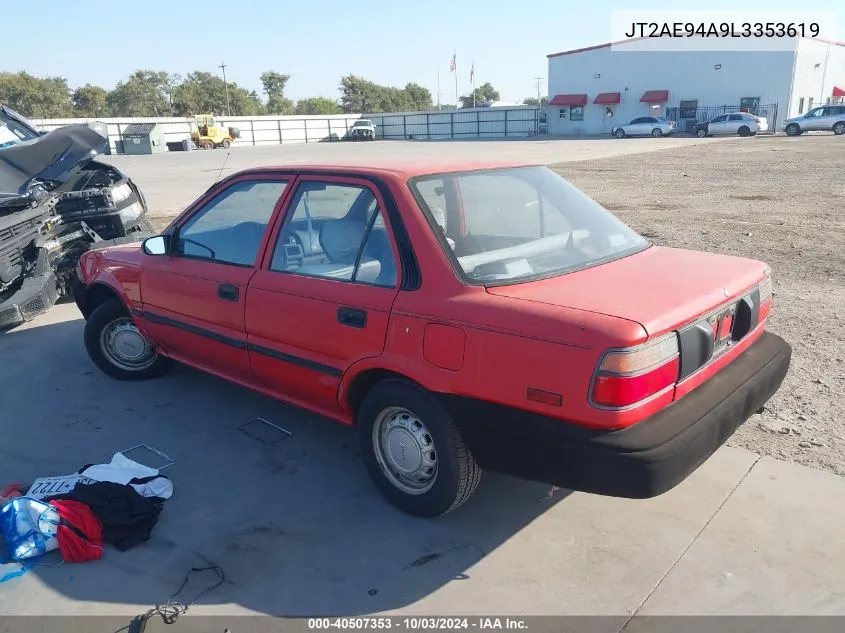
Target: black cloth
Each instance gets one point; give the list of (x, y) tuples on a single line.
[(128, 517)]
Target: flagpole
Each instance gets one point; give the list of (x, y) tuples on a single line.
[(473, 83), (438, 88), (456, 85)]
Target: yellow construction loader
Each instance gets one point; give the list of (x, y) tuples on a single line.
[(207, 134)]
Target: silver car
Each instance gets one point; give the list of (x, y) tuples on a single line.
[(645, 126), (823, 118)]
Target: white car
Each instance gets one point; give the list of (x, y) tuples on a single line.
[(645, 126), (363, 129), (824, 118), (741, 123)]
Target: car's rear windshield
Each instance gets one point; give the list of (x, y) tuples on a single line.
[(502, 226)]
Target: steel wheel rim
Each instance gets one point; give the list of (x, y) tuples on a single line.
[(125, 347), (405, 451)]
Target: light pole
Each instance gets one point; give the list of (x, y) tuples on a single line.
[(226, 87)]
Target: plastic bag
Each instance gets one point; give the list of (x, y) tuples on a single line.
[(29, 528)]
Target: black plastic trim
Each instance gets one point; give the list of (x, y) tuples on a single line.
[(193, 329), (295, 360)]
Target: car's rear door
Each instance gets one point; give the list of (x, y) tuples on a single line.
[(321, 299), (194, 297), (718, 125)]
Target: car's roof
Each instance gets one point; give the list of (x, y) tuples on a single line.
[(391, 167)]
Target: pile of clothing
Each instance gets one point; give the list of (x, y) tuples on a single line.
[(117, 503)]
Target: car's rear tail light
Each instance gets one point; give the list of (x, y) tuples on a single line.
[(765, 291), (628, 376)]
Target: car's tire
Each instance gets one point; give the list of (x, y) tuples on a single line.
[(701, 133), (110, 334), (657, 132), (793, 129), (620, 133), (207, 145), (753, 134), (440, 473), (744, 131), (839, 128), (226, 144)]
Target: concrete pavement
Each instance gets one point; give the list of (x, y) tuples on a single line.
[(298, 527)]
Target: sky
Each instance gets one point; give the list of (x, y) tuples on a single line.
[(316, 42)]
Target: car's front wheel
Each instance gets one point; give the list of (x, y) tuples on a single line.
[(701, 133), (413, 450), (620, 133), (793, 129), (119, 348)]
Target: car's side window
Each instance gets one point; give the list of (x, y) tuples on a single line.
[(229, 229), (637, 121), (735, 117), (335, 231)]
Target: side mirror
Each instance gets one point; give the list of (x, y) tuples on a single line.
[(158, 245)]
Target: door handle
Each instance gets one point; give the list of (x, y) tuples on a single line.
[(353, 317), (227, 292)]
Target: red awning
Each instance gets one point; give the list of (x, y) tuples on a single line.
[(655, 96), (838, 92), (569, 100), (606, 98)]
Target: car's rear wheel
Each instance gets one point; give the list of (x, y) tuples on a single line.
[(207, 145), (793, 129), (619, 133), (701, 133), (656, 132), (413, 450), (839, 128), (744, 131), (226, 144), (119, 348)]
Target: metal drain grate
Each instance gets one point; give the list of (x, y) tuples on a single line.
[(264, 431), (148, 456)]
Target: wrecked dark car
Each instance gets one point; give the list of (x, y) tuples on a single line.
[(56, 202)]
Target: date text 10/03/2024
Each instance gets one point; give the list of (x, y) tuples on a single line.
[(723, 29), (421, 623)]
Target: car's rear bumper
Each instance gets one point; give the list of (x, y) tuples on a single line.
[(640, 461)]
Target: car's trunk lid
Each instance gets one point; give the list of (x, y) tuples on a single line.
[(660, 288)]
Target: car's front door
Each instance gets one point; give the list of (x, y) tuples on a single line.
[(194, 296), (814, 120), (322, 297)]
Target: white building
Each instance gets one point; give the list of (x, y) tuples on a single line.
[(593, 89)]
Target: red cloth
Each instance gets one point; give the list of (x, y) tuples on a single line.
[(80, 532)]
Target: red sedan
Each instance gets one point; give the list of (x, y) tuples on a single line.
[(467, 318)]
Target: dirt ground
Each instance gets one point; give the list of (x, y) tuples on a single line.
[(778, 199)]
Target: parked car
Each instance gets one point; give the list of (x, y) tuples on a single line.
[(824, 118), (461, 317), (363, 130), (740, 123), (645, 126)]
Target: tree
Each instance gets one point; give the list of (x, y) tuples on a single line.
[(37, 97), (274, 87), (484, 92), (419, 98), (317, 105), (533, 101), (203, 92), (144, 93), (90, 101)]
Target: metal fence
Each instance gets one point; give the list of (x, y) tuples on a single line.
[(688, 117), (279, 130)]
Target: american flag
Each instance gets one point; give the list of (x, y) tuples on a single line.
[(454, 63)]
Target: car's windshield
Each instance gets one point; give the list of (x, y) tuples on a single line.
[(505, 225), (12, 130), (363, 123)]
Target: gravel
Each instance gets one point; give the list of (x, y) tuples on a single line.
[(778, 199)]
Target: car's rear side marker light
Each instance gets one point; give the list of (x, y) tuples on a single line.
[(628, 376), (544, 397)]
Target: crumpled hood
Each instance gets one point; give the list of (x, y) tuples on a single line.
[(28, 169)]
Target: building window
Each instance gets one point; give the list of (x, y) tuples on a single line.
[(688, 109), (801, 105), (749, 104), (563, 113), (576, 113)]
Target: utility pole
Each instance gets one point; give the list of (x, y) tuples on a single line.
[(226, 87), (538, 79)]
